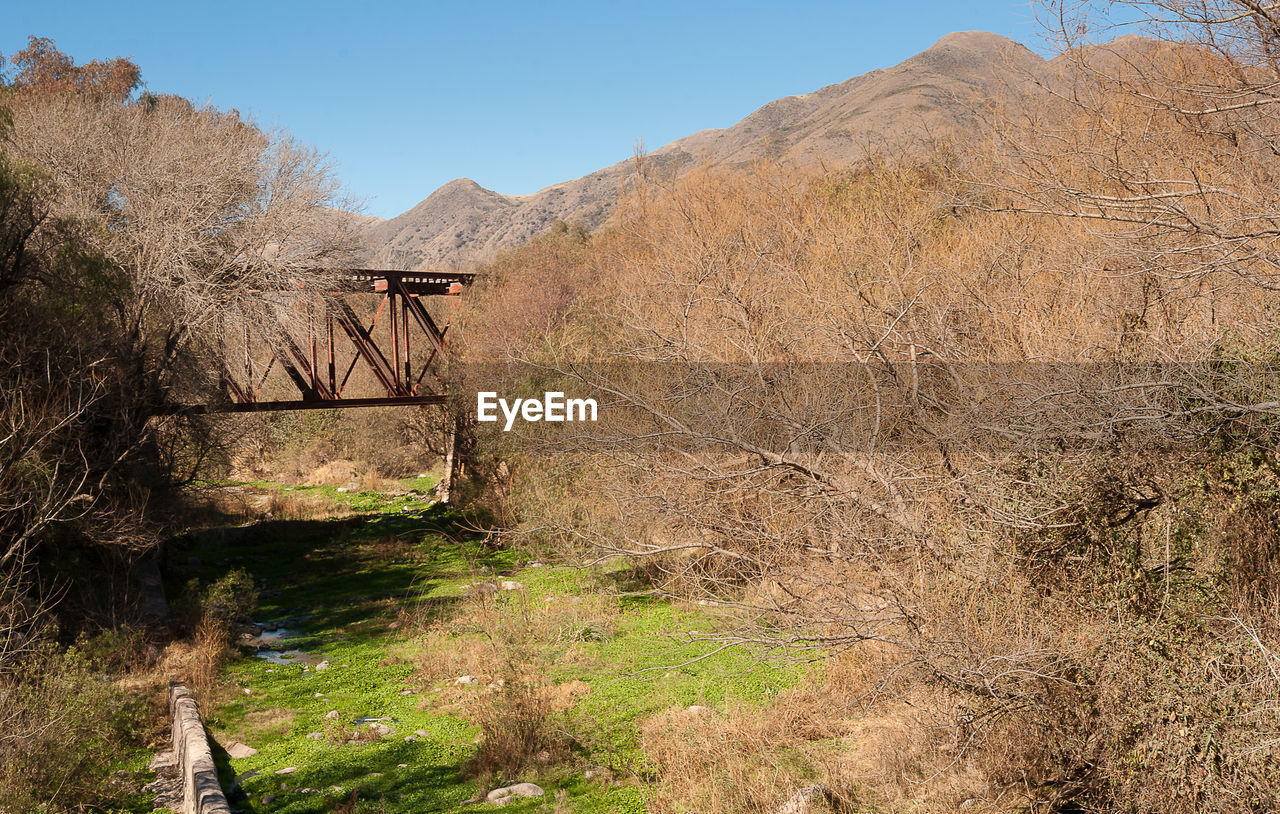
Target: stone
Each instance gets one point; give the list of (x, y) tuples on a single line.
[(698, 710), (804, 800), (421, 733), (324, 665), (315, 736), (287, 770), (381, 730), (408, 692), (163, 761), (268, 799), (236, 749), (402, 765), (332, 714), (462, 681), (498, 684), (410, 739), (506, 794), (510, 585), (598, 773), (319, 695), (481, 589)]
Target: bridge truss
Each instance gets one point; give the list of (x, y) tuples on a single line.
[(395, 350)]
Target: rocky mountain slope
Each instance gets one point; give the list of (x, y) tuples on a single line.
[(463, 222)]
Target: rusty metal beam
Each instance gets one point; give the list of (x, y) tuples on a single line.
[(279, 406), (302, 362)]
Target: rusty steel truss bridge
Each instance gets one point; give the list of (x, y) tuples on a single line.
[(394, 350)]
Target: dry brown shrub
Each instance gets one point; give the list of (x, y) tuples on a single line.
[(209, 650), (743, 761), (333, 473), (444, 654), (519, 725)]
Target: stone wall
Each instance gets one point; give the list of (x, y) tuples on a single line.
[(201, 792)]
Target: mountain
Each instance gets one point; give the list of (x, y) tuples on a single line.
[(463, 222)]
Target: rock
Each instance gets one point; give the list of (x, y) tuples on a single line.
[(402, 765), (970, 804), (598, 773), (268, 799), (381, 730), (481, 589), (236, 749), (287, 770), (505, 795), (163, 761), (315, 736), (698, 710), (319, 695), (410, 739), (324, 665), (307, 790), (353, 487), (248, 691), (510, 585), (462, 681), (332, 714), (498, 684), (803, 800), (408, 692), (421, 733), (542, 758)]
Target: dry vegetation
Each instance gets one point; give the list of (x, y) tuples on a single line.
[(134, 229), (1004, 415)]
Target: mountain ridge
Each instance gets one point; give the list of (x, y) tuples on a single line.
[(463, 222)]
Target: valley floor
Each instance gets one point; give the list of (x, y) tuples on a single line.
[(398, 663)]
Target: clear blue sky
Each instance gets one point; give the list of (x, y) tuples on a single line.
[(407, 96)]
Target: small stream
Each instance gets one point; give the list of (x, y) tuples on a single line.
[(269, 645)]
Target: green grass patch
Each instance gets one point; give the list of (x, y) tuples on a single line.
[(360, 593)]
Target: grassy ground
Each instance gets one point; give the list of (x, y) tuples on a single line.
[(383, 597)]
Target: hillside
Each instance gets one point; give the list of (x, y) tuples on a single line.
[(930, 92)]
